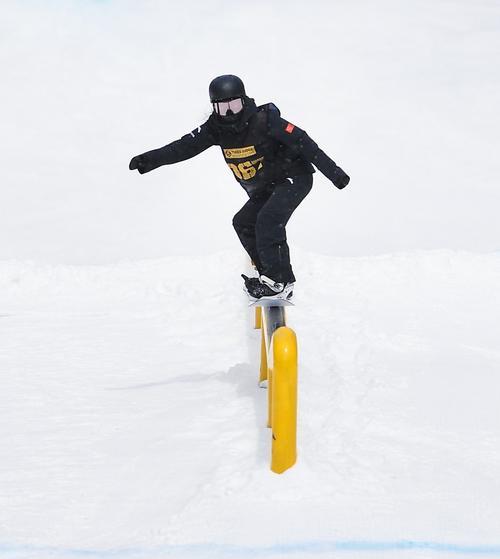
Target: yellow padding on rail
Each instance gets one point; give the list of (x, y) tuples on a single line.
[(258, 318), (284, 399), (263, 358)]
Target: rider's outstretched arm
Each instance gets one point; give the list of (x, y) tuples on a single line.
[(186, 147), (299, 141)]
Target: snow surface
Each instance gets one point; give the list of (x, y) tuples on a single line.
[(131, 422)]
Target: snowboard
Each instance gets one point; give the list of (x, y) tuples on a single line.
[(270, 302)]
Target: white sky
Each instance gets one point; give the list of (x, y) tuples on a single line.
[(402, 95)]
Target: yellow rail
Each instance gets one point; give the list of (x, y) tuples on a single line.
[(278, 366)]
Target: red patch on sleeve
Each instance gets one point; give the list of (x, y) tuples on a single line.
[(289, 127)]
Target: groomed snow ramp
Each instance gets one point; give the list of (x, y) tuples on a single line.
[(278, 366)]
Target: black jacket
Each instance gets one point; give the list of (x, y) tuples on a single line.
[(260, 148)]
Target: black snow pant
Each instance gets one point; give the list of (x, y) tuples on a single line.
[(260, 225)]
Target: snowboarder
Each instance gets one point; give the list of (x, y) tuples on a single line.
[(272, 160)]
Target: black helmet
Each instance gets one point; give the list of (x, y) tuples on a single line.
[(226, 87)]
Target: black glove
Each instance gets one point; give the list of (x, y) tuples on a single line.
[(138, 162), (339, 178)]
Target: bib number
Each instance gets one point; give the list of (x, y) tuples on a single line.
[(246, 170)]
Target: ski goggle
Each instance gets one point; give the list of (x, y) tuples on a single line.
[(233, 105)]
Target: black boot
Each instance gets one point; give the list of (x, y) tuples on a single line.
[(260, 287)]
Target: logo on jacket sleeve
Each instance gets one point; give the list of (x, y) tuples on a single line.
[(289, 127)]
